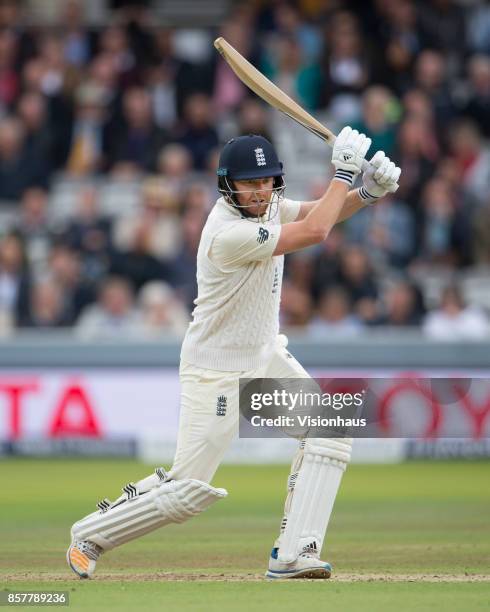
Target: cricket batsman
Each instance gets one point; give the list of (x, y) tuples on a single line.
[(235, 334)]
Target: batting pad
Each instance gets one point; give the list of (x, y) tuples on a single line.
[(174, 501), (315, 489)]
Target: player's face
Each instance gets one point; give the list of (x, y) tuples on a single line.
[(255, 194)]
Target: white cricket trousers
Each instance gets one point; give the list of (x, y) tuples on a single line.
[(207, 424)]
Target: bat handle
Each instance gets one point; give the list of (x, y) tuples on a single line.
[(366, 165)]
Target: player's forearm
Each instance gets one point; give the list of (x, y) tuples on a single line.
[(324, 214), (352, 204), (316, 225)]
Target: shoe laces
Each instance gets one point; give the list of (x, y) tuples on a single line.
[(91, 550)]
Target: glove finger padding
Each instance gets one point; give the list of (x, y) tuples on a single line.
[(377, 160), (363, 143), (386, 173), (393, 186), (348, 154), (342, 137), (381, 170)]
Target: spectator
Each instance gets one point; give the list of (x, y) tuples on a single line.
[(161, 312), (443, 21), (32, 75), (356, 275), (299, 269), (480, 236), (417, 155), (102, 74), (229, 91), (89, 233), (39, 141), (295, 74), (454, 321), (197, 133), (34, 227), (113, 317), (58, 107), (183, 266), (14, 279), (403, 42), (346, 64), (417, 104), (431, 77), (9, 81), (254, 118), (438, 221), (134, 146), (478, 28), (325, 265), (334, 317), (477, 104), (57, 77), (65, 267), (377, 119), (196, 63), (289, 24), (472, 157), (402, 306), (114, 42), (46, 306), (85, 155), (77, 43), (387, 232), (175, 164), (163, 94), (19, 168), (296, 307), (11, 21), (156, 219), (138, 264)]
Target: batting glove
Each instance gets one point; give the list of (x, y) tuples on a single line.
[(379, 179), (349, 151)]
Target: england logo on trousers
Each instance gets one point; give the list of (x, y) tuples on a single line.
[(221, 405), (260, 157)]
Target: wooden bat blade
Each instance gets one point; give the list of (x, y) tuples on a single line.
[(269, 92)]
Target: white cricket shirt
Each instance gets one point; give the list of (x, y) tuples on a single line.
[(236, 318)]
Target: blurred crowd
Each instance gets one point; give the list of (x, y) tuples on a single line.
[(137, 101)]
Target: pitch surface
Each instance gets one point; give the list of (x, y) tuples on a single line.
[(407, 536)]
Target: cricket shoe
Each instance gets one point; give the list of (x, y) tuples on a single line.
[(82, 557), (307, 565)]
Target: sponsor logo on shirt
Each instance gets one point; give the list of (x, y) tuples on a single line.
[(263, 235)]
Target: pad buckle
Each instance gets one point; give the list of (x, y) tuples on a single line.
[(104, 505), (161, 473), (130, 490)]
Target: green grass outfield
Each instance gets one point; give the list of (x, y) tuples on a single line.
[(414, 536)]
